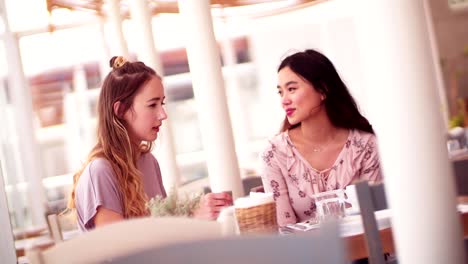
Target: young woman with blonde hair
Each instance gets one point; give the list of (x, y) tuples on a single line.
[(121, 174)]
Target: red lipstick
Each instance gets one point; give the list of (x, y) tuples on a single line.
[(290, 111)]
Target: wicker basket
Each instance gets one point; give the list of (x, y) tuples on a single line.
[(257, 219)]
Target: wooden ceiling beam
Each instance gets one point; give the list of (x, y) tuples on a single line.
[(234, 3), (164, 7), (170, 7), (93, 6)]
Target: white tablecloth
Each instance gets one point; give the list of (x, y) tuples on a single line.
[(352, 224), (349, 226), (462, 208)]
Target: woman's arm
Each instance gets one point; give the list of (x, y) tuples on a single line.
[(273, 181), (211, 204), (97, 189), (370, 166), (105, 216)]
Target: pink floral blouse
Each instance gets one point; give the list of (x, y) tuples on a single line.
[(293, 181)]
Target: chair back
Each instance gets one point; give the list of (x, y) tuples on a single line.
[(378, 196), (7, 248), (371, 199), (124, 238), (323, 246), (460, 168), (252, 183), (55, 229), (460, 171), (259, 188)]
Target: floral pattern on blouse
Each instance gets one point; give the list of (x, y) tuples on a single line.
[(293, 181)]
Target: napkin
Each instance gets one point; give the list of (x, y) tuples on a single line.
[(254, 199), (462, 208), (228, 221)]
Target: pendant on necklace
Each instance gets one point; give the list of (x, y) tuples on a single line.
[(316, 149)]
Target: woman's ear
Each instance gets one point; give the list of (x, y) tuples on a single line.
[(323, 92), (116, 108)]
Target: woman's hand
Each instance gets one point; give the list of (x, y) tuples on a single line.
[(211, 204)]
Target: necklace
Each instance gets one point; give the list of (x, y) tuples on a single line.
[(317, 149)]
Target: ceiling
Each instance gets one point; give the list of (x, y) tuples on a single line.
[(97, 7)]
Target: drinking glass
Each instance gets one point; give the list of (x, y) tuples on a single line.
[(351, 198), (230, 194), (330, 205), (453, 145)]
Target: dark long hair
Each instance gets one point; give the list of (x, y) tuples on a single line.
[(320, 72)]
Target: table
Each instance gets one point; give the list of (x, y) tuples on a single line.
[(461, 155), (41, 242), (356, 244), (357, 248), (30, 232)]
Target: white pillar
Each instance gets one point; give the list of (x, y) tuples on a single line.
[(404, 109), (149, 55), (236, 108), (208, 85), (83, 111), (22, 103), (118, 45), (105, 55), (437, 67), (10, 159), (7, 243)]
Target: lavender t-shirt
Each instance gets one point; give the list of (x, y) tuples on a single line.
[(98, 186)]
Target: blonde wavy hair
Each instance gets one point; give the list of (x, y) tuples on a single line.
[(113, 142)]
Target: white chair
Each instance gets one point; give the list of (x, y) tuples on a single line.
[(55, 228), (460, 168), (249, 184), (372, 198), (125, 237), (323, 246)]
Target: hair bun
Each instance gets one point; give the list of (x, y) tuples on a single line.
[(117, 62)]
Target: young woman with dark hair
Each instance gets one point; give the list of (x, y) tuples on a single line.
[(324, 144)]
